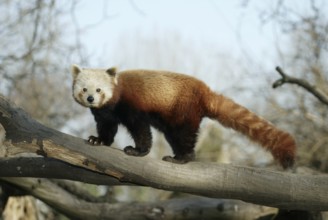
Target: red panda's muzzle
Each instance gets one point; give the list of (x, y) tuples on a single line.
[(90, 99)]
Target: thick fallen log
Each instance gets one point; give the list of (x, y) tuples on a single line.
[(260, 186)]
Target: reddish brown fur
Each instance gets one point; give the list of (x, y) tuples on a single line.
[(281, 144), (179, 98)]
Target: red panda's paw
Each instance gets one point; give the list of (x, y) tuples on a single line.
[(129, 150), (95, 140), (180, 159), (173, 160)]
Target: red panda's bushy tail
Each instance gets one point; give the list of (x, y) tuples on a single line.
[(230, 114)]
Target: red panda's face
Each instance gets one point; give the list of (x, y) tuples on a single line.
[(93, 87)]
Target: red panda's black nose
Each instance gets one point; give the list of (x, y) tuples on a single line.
[(90, 99)]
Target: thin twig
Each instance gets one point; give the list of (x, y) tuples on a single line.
[(300, 82)]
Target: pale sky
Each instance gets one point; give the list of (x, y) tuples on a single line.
[(221, 24)]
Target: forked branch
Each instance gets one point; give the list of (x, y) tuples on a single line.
[(300, 82)]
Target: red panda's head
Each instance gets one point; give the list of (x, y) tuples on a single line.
[(93, 87)]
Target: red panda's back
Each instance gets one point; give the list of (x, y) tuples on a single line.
[(161, 91)]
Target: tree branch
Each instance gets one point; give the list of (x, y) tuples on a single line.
[(189, 208), (300, 82), (259, 186)]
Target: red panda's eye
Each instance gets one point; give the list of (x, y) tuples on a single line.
[(98, 90), (85, 89)]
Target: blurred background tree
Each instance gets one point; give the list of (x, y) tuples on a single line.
[(305, 56), (37, 48)]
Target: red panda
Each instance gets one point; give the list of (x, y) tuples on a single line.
[(173, 103)]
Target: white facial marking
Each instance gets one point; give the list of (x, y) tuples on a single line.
[(93, 87)]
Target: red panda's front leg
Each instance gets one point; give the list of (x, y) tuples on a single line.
[(106, 133), (141, 134)]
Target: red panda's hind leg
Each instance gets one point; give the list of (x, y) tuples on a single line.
[(182, 140)]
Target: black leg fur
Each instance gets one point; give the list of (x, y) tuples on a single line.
[(107, 125)]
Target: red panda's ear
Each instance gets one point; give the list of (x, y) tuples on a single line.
[(75, 70), (111, 71)]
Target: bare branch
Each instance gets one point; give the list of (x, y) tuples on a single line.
[(77, 189), (300, 82), (53, 169)]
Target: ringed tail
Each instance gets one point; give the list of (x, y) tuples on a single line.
[(230, 114)]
